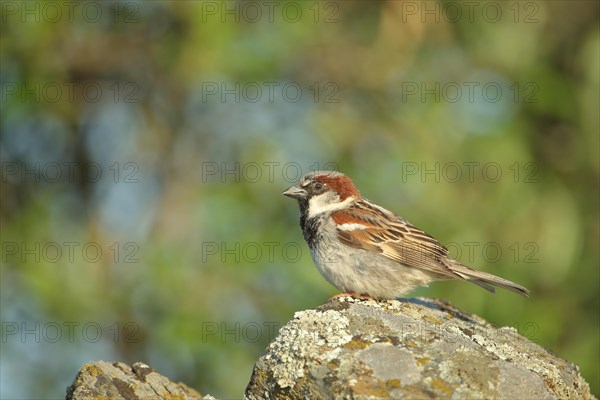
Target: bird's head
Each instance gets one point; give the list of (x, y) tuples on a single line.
[(323, 192)]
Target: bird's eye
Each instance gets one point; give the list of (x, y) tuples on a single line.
[(318, 186)]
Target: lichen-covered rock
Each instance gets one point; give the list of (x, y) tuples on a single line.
[(412, 349), (106, 380)]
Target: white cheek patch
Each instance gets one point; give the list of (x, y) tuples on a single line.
[(326, 203), (351, 227)]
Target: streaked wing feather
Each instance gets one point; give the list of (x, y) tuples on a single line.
[(394, 238)]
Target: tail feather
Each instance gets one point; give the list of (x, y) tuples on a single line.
[(487, 281), (484, 285)]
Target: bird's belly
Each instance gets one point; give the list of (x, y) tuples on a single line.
[(363, 272)]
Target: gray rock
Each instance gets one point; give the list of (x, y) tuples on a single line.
[(106, 380), (411, 349)]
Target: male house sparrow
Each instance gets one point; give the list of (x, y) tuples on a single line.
[(364, 249)]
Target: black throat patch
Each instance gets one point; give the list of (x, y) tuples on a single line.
[(310, 226)]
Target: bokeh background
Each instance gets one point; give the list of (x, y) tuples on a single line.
[(145, 145)]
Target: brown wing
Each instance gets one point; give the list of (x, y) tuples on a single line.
[(392, 237)]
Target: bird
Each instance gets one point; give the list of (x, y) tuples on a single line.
[(367, 251)]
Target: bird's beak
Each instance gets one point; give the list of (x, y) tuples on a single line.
[(295, 192)]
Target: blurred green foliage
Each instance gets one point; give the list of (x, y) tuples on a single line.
[(162, 134)]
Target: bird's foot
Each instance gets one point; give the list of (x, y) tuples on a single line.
[(358, 296)]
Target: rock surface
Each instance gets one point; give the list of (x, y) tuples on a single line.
[(412, 349), (106, 380)]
